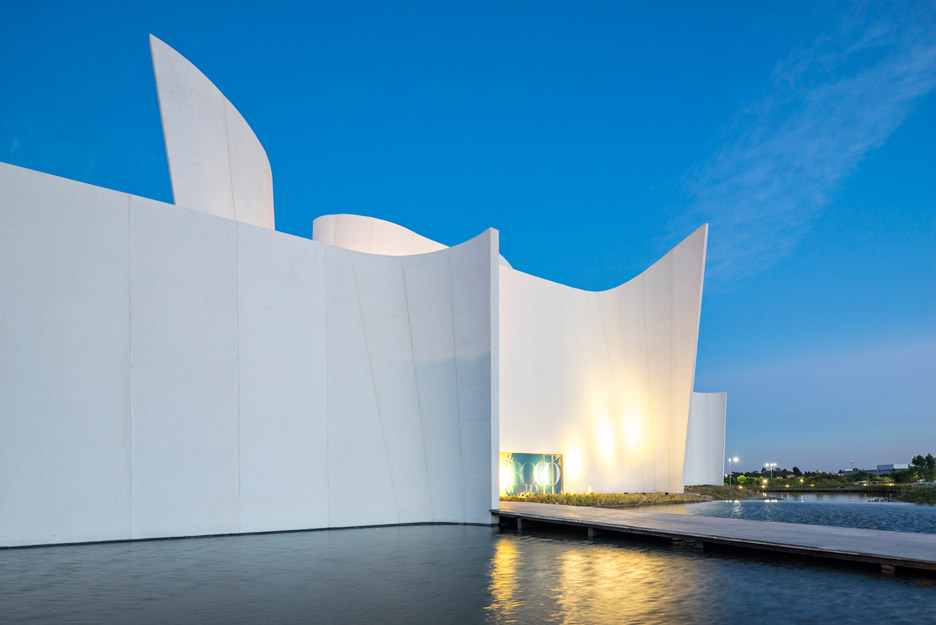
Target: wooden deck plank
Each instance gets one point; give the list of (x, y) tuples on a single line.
[(901, 549)]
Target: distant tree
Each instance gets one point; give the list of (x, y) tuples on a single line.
[(925, 466), (907, 476), (797, 472), (741, 479)]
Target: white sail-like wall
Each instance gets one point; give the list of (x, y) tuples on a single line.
[(603, 378)]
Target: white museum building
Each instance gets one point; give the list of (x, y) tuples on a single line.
[(184, 369)]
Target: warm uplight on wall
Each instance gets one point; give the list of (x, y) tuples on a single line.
[(633, 432), (605, 435), (573, 463)]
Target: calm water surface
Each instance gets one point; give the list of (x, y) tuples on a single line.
[(436, 574), (838, 510)]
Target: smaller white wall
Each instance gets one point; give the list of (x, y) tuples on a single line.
[(705, 439)]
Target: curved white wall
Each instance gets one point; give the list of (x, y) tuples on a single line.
[(603, 378), (172, 373), (370, 235), (705, 441), (216, 163)]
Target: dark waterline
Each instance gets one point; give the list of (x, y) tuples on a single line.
[(435, 574)]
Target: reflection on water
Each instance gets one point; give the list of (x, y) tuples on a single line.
[(560, 579), (432, 574), (837, 510)]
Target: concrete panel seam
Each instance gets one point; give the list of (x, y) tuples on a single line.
[(327, 419), (461, 444), (237, 341), (162, 121), (643, 291), (227, 145), (422, 429), (130, 364), (370, 368), (672, 334)]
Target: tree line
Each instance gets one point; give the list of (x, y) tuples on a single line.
[(922, 468)]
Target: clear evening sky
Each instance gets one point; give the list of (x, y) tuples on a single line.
[(594, 136)]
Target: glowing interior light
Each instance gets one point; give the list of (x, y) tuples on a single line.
[(506, 476), (539, 474)]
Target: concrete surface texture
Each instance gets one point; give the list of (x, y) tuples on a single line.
[(705, 439)]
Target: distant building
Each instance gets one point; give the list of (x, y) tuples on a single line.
[(892, 467), (882, 469)]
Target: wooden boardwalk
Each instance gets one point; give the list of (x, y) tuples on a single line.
[(890, 550)]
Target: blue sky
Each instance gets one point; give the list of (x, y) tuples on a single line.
[(594, 136)]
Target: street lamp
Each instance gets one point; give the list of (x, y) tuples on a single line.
[(771, 466), (730, 460)]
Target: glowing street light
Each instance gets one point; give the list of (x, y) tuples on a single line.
[(730, 460), (770, 465)]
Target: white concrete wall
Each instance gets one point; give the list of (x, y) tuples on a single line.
[(216, 163), (164, 372), (603, 378), (705, 440), (371, 235)]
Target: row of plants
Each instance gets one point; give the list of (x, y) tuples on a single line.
[(605, 499)]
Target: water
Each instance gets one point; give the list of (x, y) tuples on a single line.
[(436, 574), (838, 510)]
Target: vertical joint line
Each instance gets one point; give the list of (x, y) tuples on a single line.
[(422, 427), (370, 367), (461, 444), (237, 336), (130, 366), (227, 144)]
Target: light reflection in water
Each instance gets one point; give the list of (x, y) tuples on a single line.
[(582, 582), (503, 587)]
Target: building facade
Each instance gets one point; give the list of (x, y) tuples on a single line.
[(184, 369)]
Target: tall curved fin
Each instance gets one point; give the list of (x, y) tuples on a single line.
[(216, 162)]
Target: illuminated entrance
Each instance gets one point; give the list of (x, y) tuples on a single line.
[(530, 473)]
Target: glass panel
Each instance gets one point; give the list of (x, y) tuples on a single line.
[(530, 473)]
